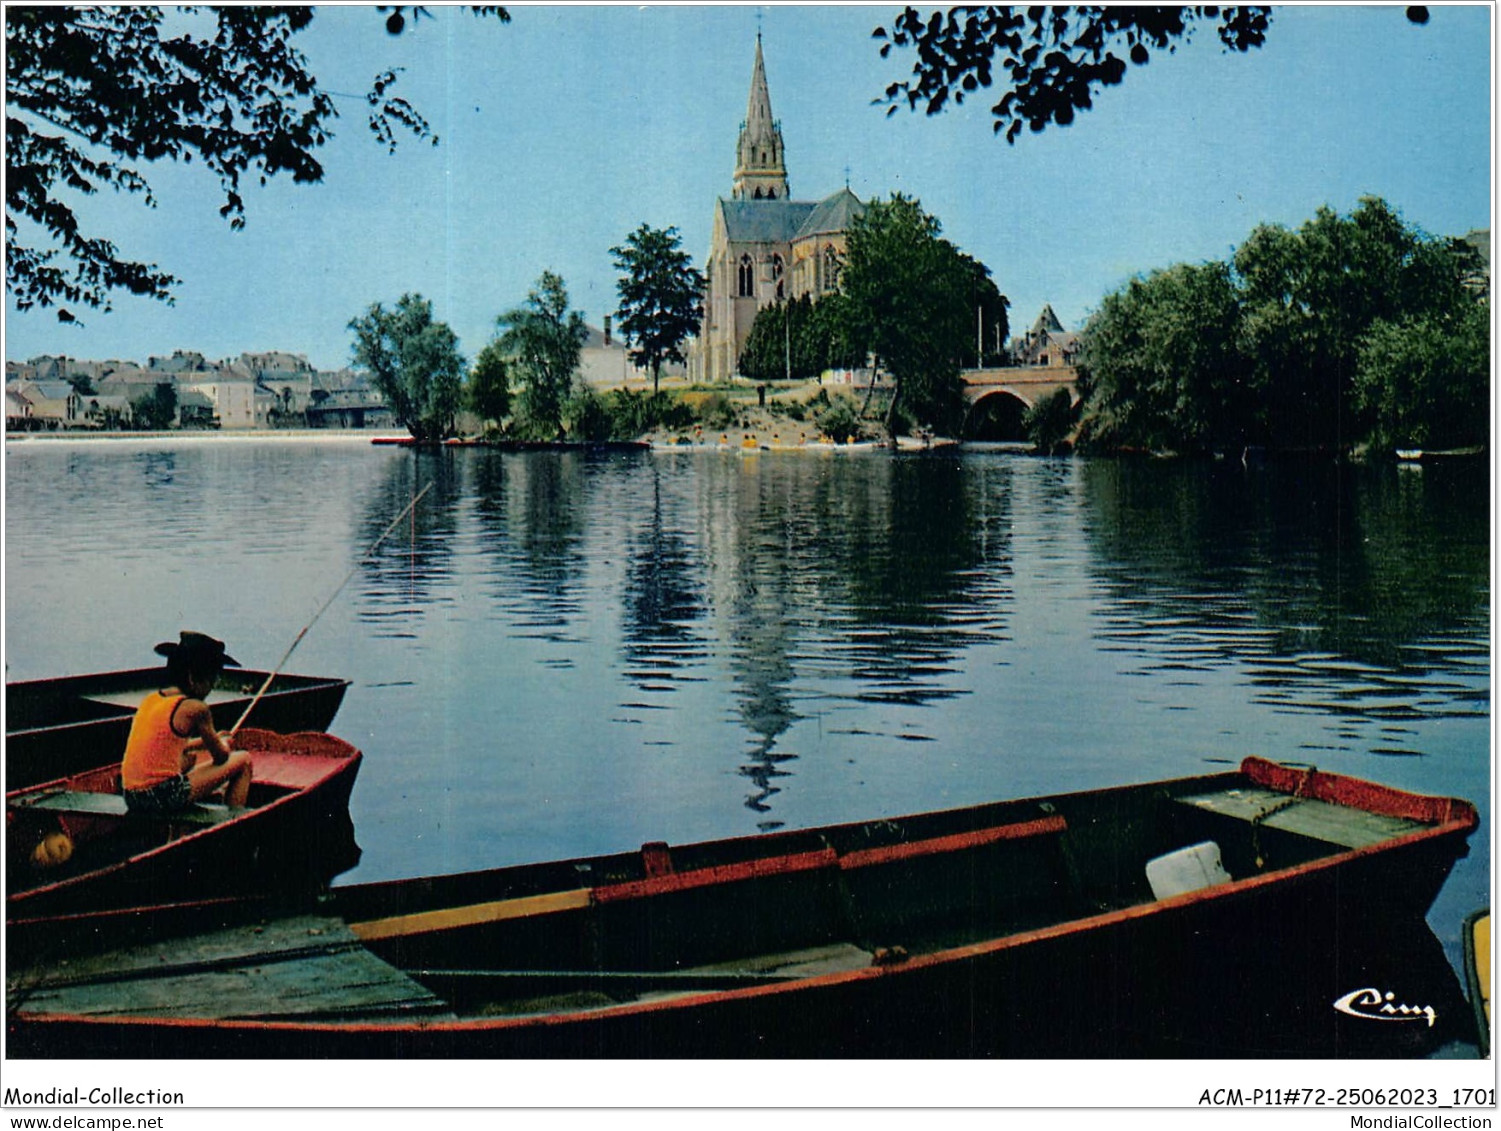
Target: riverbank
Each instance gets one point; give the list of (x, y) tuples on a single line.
[(259, 435)]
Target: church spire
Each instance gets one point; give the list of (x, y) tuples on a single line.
[(760, 166)]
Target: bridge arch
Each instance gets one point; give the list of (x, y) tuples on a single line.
[(997, 415)]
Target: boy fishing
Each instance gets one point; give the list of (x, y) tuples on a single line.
[(164, 771)]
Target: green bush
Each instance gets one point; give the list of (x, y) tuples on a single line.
[(718, 411), (840, 421), (585, 417), (1049, 422)]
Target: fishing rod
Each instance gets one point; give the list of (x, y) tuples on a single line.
[(323, 608)]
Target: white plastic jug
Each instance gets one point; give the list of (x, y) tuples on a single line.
[(1188, 869)]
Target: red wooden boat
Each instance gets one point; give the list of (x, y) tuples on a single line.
[(57, 727), (1216, 914), (72, 846)]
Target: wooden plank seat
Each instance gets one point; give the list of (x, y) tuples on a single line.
[(89, 804), (1321, 820)]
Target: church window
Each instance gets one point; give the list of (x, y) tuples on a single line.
[(830, 268), (771, 194), (777, 270), (747, 277)]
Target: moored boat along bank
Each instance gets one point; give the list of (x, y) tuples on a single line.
[(1204, 916)]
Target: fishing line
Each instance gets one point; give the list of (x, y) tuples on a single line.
[(410, 507)]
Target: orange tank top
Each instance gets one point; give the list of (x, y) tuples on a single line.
[(153, 753)]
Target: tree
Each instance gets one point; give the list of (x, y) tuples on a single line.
[(489, 384), (1310, 296), (1049, 421), (1425, 381), (1054, 57), (989, 309), (155, 411), (784, 342), (543, 340), (661, 297), (1162, 364), (415, 364), (836, 337), (92, 93), (1321, 337), (909, 295)]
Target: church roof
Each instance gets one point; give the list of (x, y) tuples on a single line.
[(782, 221), (764, 221), (833, 214)]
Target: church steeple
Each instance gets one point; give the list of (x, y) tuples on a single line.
[(760, 166)]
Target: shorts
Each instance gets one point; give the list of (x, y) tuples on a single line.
[(170, 796)]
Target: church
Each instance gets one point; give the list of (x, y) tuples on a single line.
[(765, 247)]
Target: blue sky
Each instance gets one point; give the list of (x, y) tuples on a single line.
[(565, 129)]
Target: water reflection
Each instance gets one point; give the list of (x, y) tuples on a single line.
[(1360, 592), (811, 583), (856, 592), (664, 598)]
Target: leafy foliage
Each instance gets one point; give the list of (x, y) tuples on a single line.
[(635, 414), (586, 417), (1163, 363), (1049, 422), (1054, 58), (155, 411), (840, 421), (1299, 344), (800, 339), (489, 389), (93, 93), (414, 362), (543, 340), (909, 294), (1308, 297), (661, 297), (1424, 381)]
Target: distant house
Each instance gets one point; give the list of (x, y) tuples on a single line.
[(605, 361), (195, 410), (54, 404), (287, 376), (17, 410), (348, 408), (233, 400), (107, 412), (1479, 280), (1047, 343)]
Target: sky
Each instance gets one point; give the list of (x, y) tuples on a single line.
[(564, 130)]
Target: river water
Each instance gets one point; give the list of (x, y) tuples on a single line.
[(560, 654)]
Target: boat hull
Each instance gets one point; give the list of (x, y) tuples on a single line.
[(58, 727), (296, 834), (995, 931)]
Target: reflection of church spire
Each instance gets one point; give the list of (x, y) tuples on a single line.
[(760, 165)]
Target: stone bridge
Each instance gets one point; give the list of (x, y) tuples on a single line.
[(998, 399), (1029, 384)]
